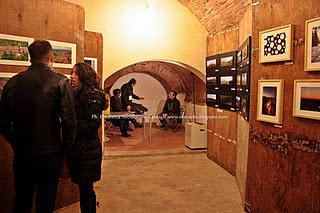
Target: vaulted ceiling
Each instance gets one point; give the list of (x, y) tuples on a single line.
[(217, 15)]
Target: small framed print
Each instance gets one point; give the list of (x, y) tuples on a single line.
[(64, 54), (93, 62), (276, 44), (306, 99), (270, 101), (14, 50), (4, 77), (312, 45)]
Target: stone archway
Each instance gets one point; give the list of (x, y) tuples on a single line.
[(172, 75)]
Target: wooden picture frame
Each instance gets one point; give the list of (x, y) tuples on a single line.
[(270, 101), (306, 99), (64, 54), (312, 45), (14, 50), (276, 44)]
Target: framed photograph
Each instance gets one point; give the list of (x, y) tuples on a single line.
[(239, 80), (227, 61), (244, 79), (212, 63), (270, 97), (226, 99), (276, 44), (245, 52), (312, 45), (238, 102), (212, 96), (212, 80), (14, 50), (93, 62), (64, 54), (4, 77), (226, 80), (239, 56), (306, 99)]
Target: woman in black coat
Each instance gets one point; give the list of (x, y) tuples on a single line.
[(86, 154)]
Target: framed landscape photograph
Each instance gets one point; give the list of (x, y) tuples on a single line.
[(64, 54), (226, 80), (93, 62), (4, 77), (14, 50), (306, 99), (312, 45), (212, 63), (276, 44), (270, 101), (227, 61)]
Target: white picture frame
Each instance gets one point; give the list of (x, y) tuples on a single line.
[(306, 98), (14, 50), (270, 101), (277, 43), (311, 62), (92, 62), (69, 51)]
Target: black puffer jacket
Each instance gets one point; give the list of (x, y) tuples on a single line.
[(86, 153)]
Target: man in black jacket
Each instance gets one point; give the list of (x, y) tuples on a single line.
[(126, 98), (37, 118), (115, 106), (171, 111)]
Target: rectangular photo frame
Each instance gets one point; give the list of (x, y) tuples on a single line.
[(276, 44), (64, 54), (270, 101), (306, 99), (14, 50), (93, 62), (312, 45)]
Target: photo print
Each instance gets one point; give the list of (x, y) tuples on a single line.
[(238, 101), (226, 80), (227, 61), (14, 50), (64, 54), (307, 98), (244, 105), (276, 44), (212, 80), (312, 45), (244, 79), (269, 100), (239, 80), (245, 52), (212, 96), (212, 63)]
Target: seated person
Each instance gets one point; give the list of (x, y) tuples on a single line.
[(115, 106), (171, 111)]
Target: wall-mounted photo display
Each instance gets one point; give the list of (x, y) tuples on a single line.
[(212, 96), (64, 54), (270, 101), (306, 99), (14, 50), (312, 45), (93, 62), (4, 77), (276, 44)]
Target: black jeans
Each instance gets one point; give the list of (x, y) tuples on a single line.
[(87, 198), (38, 174)]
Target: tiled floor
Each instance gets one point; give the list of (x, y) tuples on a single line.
[(165, 183), (160, 139)]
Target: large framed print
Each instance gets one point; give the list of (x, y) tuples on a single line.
[(276, 44), (14, 50), (312, 45), (93, 62), (64, 54), (4, 77), (270, 101), (306, 99)]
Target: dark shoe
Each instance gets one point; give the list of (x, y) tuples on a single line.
[(125, 135)]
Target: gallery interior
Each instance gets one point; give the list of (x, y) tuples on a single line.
[(247, 71)]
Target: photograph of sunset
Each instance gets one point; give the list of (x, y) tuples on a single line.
[(310, 99)]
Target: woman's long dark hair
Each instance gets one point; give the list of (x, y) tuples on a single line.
[(87, 76)]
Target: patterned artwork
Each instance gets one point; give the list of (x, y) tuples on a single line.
[(275, 45)]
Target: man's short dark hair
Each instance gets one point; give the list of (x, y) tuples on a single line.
[(39, 50), (132, 81), (174, 93), (116, 92)]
